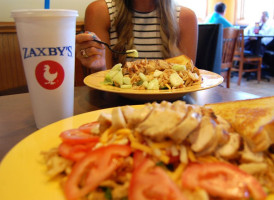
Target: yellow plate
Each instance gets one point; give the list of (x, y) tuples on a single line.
[(22, 171), (210, 79)]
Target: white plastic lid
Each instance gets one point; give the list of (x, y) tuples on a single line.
[(44, 13)]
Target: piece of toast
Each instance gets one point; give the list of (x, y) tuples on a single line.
[(182, 59), (253, 119)]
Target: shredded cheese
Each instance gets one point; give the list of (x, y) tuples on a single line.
[(161, 145), (176, 175), (123, 131), (168, 86), (191, 155), (137, 145), (207, 159), (105, 136), (164, 158)]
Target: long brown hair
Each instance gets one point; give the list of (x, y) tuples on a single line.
[(169, 29)]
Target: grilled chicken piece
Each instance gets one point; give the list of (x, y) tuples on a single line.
[(159, 123), (263, 138), (163, 105), (222, 122), (133, 67), (202, 137), (230, 149), (220, 134), (105, 121), (127, 112), (188, 125), (118, 120), (145, 66), (162, 65), (138, 116), (249, 156), (149, 66), (179, 106)]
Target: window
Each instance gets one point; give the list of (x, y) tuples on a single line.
[(249, 11), (198, 6)]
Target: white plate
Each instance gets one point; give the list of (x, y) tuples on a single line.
[(210, 79), (22, 171)]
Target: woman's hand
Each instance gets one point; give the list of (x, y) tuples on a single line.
[(90, 53)]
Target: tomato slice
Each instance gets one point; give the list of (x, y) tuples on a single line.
[(91, 170), (90, 128), (152, 182), (76, 136), (138, 158), (222, 180), (75, 152)]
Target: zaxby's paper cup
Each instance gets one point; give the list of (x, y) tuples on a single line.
[(47, 44)]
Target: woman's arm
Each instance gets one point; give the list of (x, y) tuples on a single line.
[(188, 33), (97, 22)]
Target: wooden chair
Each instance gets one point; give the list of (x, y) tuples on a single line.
[(240, 59), (230, 36)]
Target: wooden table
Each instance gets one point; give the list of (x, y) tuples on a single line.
[(17, 121), (258, 39)]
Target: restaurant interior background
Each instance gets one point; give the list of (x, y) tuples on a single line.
[(239, 12)]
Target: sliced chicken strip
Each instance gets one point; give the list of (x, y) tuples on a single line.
[(180, 107), (230, 149), (118, 120), (150, 66), (105, 121), (248, 156), (139, 115), (159, 123), (163, 105), (211, 147), (188, 125), (127, 112), (222, 122), (162, 65), (263, 138), (201, 138)]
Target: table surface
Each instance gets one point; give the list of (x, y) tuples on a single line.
[(258, 38), (17, 121)]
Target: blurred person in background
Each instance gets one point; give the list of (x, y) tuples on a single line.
[(264, 27), (218, 16), (157, 29)]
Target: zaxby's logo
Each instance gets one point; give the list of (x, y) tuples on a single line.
[(47, 51), (49, 74)]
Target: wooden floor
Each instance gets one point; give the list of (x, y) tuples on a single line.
[(263, 89)]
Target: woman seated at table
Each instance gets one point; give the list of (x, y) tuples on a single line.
[(157, 29), (264, 27)]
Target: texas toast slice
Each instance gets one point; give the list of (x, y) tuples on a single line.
[(253, 119)]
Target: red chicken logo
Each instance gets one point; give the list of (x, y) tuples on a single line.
[(49, 74)]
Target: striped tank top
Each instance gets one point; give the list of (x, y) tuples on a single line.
[(146, 32)]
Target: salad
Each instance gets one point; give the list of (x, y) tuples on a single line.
[(158, 151), (153, 75)]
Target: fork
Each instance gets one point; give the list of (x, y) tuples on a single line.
[(130, 53)]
